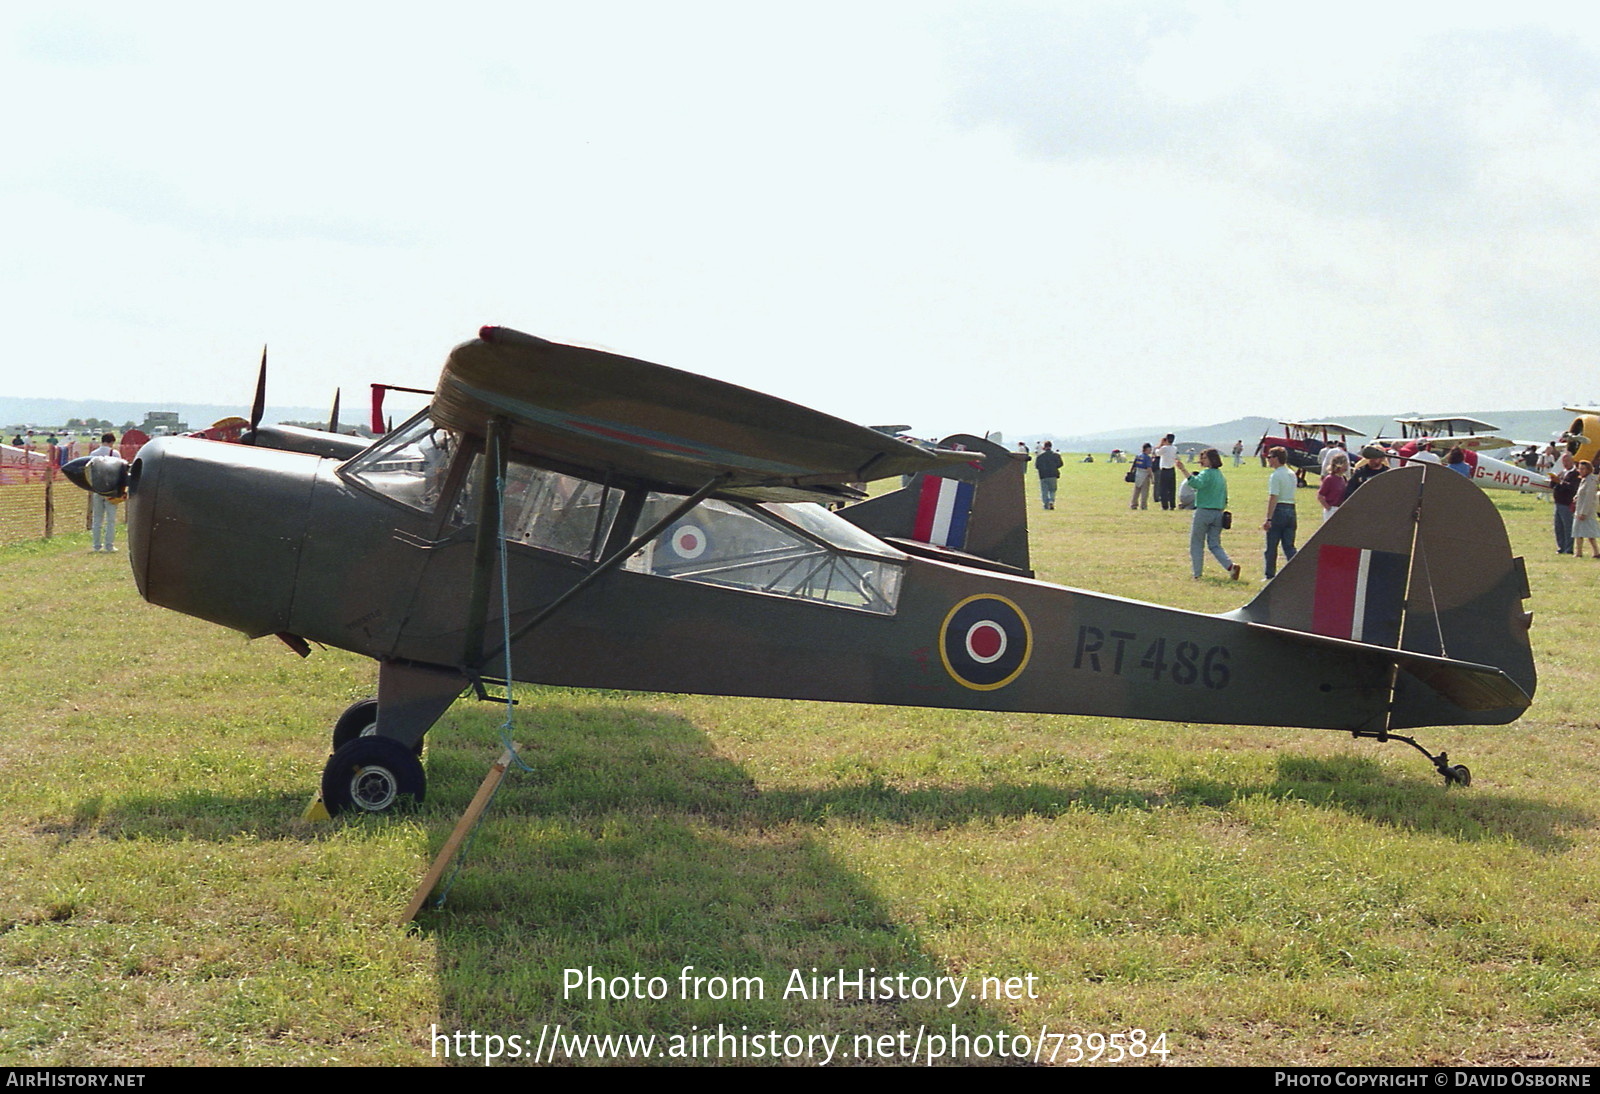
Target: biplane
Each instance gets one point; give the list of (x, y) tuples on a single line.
[(1451, 432), (562, 515), (1303, 443), (1419, 436)]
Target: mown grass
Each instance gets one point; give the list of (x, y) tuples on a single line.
[(1261, 896)]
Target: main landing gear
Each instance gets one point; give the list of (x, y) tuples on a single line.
[(368, 773), (373, 771), (372, 775)]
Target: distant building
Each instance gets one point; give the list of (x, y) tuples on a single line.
[(158, 422)]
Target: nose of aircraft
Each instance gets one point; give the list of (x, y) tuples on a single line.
[(215, 530)]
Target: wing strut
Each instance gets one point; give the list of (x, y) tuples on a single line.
[(488, 544), (605, 567)]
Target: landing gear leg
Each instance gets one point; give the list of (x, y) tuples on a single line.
[(376, 742)]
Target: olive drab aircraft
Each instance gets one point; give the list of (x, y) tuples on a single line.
[(655, 530)]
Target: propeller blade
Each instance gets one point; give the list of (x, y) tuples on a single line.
[(259, 407), (333, 418)]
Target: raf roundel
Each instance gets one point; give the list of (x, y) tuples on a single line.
[(688, 541), (985, 642)]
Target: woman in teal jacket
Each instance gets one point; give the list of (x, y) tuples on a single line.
[(1210, 500)]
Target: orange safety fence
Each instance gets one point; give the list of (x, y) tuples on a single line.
[(33, 462), (36, 500)]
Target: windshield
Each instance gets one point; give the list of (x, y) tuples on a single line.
[(408, 465)]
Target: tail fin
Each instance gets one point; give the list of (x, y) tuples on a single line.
[(1418, 560), (976, 509)]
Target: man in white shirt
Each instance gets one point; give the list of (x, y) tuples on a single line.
[(1330, 451), (102, 512), (1167, 474)]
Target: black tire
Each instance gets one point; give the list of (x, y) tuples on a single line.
[(372, 775), (1460, 775), (359, 719)]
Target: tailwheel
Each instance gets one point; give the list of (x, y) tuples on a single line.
[(372, 775), (1454, 774)]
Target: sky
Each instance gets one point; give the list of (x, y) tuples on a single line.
[(1027, 217)]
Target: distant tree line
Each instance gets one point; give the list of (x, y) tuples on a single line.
[(72, 424)]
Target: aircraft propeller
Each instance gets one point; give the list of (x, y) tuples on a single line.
[(259, 407)]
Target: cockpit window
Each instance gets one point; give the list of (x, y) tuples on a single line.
[(546, 509), (409, 465), (748, 547)]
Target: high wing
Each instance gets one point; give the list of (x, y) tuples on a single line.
[(1323, 428), (605, 412)]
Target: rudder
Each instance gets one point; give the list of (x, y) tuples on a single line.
[(978, 508), (1418, 560)]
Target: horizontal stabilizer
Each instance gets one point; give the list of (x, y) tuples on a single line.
[(1471, 687)]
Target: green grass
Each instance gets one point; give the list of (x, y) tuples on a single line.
[(1260, 896)]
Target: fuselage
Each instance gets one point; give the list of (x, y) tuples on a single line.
[(377, 556)]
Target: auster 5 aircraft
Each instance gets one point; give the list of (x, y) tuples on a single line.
[(658, 531)]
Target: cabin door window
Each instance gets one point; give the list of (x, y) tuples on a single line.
[(749, 547)]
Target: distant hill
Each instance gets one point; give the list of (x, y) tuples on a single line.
[(1522, 425)]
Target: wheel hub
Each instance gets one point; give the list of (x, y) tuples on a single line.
[(374, 788)]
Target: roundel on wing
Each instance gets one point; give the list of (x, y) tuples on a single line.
[(985, 642), (688, 541)]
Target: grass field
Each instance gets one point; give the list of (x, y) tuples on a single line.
[(1256, 896)]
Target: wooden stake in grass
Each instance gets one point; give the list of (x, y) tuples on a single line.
[(480, 802)]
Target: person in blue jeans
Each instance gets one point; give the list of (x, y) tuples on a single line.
[(1280, 524), (1048, 464), (1210, 500)]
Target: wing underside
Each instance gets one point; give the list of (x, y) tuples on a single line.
[(603, 411)]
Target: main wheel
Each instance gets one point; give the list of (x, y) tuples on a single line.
[(372, 775), (1458, 775), (360, 719)]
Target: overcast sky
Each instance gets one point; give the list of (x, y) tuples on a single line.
[(1028, 217)]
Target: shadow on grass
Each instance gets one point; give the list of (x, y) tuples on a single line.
[(650, 775), (190, 815), (1363, 787), (632, 849)]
